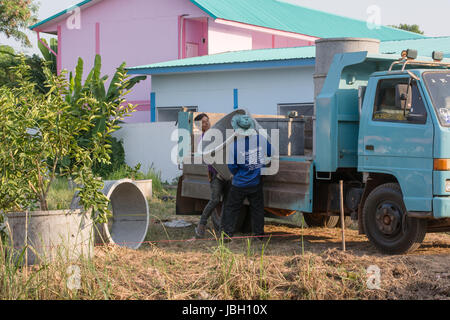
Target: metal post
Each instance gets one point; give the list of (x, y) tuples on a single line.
[(342, 214)]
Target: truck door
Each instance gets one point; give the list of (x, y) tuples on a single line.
[(397, 138)]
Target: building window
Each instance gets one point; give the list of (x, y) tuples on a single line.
[(170, 114), (303, 109)]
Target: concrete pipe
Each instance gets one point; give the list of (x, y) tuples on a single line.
[(326, 49), (50, 235), (130, 220), (222, 126)]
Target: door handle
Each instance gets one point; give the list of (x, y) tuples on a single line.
[(370, 147)]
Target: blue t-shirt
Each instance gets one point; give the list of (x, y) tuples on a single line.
[(246, 158)]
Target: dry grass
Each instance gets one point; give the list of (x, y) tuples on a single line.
[(294, 264)]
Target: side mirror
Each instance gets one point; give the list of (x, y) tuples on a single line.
[(403, 96), (417, 118)]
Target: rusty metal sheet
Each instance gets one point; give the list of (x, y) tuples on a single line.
[(290, 189), (195, 182)]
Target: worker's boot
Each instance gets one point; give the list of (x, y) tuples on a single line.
[(200, 231)]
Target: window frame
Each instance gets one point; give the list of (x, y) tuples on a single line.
[(303, 104), (375, 104), (158, 109)]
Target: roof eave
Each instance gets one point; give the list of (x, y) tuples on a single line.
[(40, 25), (303, 62)]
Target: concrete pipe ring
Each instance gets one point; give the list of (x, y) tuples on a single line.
[(130, 215)]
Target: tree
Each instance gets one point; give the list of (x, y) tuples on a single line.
[(16, 16), (38, 131), (10, 59), (409, 27)]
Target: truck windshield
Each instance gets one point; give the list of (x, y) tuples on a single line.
[(438, 85)]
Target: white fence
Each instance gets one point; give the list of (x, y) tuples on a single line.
[(150, 144)]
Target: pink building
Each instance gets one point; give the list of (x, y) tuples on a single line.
[(142, 32)]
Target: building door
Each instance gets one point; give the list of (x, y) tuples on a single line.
[(191, 50), (195, 35)]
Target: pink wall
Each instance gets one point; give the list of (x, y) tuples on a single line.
[(141, 32), (138, 32), (224, 38)]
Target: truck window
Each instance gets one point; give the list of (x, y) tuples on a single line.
[(395, 100), (438, 85)]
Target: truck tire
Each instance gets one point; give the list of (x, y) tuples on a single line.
[(386, 224), (316, 220)]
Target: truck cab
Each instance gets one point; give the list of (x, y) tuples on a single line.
[(403, 146)]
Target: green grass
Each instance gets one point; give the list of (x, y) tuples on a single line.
[(126, 172), (60, 195)]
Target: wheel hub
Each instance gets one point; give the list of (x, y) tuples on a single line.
[(388, 218)]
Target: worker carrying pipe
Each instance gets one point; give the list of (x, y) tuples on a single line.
[(247, 156)]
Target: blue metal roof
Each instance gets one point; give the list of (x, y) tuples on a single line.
[(282, 16), (281, 57)]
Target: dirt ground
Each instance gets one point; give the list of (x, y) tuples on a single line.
[(303, 263)]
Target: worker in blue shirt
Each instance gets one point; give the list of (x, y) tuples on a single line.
[(246, 156)]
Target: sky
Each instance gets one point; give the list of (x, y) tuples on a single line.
[(432, 19)]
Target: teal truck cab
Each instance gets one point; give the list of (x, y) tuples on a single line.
[(382, 126)]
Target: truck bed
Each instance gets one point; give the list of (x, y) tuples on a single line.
[(290, 189)]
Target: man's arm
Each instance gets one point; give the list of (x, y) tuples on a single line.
[(232, 160), (209, 176)]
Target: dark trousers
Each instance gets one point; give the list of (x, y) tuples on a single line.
[(217, 190), (233, 206)]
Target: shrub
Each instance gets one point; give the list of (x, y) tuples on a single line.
[(40, 132)]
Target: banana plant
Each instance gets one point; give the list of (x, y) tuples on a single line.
[(110, 99), (49, 57)]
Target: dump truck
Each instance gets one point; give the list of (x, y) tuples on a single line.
[(381, 125)]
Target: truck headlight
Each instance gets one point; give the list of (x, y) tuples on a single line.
[(447, 186)]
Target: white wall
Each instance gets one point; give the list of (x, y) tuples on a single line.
[(259, 91), (223, 38), (150, 143)]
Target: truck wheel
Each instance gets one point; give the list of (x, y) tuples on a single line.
[(316, 220), (386, 224)]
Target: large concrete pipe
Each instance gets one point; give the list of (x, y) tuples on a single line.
[(224, 124), (49, 235), (130, 220), (210, 149), (326, 49)]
